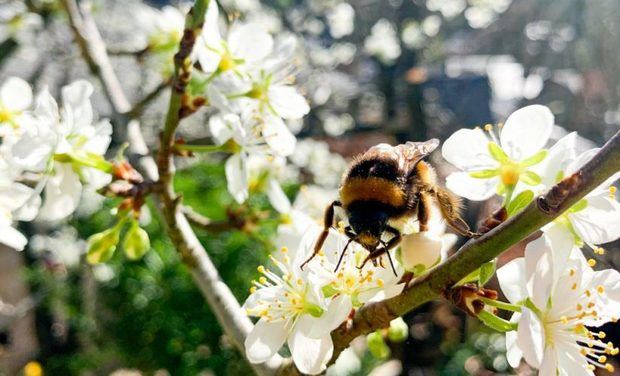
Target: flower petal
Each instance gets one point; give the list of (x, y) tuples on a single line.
[(557, 160), (513, 352), (62, 193), (599, 222), (278, 136), (287, 102), (530, 338), (467, 149), (335, 314), (526, 131), (223, 127), (250, 42), (471, 188), (539, 271), (12, 238), (277, 197), (550, 363), (15, 94), (310, 355), (237, 177), (512, 280), (265, 340)]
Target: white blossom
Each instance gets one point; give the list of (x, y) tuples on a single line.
[(490, 164), (560, 306), (293, 310), (383, 42)]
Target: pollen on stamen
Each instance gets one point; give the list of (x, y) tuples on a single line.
[(592, 262), (261, 269), (602, 335), (571, 272), (488, 127), (574, 286), (252, 289), (284, 249), (600, 289), (262, 280), (579, 307), (609, 368), (612, 191), (379, 282), (564, 319), (602, 359), (599, 250)]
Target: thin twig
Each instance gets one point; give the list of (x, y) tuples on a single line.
[(202, 222), (226, 308)]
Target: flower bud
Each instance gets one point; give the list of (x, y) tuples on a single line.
[(420, 251), (101, 246), (377, 346), (398, 330), (136, 242)]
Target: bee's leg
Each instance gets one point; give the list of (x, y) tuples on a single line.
[(449, 206), (328, 222), (351, 236), (424, 210)]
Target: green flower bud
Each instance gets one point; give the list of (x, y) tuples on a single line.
[(377, 346), (101, 246), (136, 242), (398, 330)]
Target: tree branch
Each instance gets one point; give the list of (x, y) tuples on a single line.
[(478, 251), (226, 308)]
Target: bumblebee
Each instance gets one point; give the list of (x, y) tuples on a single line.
[(383, 186)]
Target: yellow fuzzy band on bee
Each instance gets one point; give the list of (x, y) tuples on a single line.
[(372, 189)]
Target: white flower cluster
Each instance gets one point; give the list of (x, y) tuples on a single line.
[(248, 80), (302, 307), (47, 150), (556, 295)]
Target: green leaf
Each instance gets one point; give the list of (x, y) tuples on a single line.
[(471, 277), (519, 202), (484, 174), (497, 153), (486, 272), (530, 178), (495, 322), (534, 159)]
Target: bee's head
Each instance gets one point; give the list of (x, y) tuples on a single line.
[(369, 223)]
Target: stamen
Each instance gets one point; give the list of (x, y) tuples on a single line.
[(592, 262)]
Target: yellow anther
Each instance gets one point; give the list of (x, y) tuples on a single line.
[(488, 127), (300, 281), (321, 253), (602, 335), (341, 224), (602, 359), (261, 269), (609, 367), (588, 293), (262, 280), (252, 289), (571, 272), (612, 191), (583, 351), (263, 313), (614, 352), (574, 286), (500, 125), (592, 262), (600, 289), (284, 249), (579, 307), (590, 367), (591, 304), (379, 282), (564, 319)]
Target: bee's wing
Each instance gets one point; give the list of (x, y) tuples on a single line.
[(410, 153)]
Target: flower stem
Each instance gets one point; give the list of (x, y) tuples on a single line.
[(501, 305), (495, 322), (509, 191)]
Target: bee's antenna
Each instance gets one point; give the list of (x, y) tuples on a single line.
[(343, 252)]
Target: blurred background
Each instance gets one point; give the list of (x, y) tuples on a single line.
[(373, 71)]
